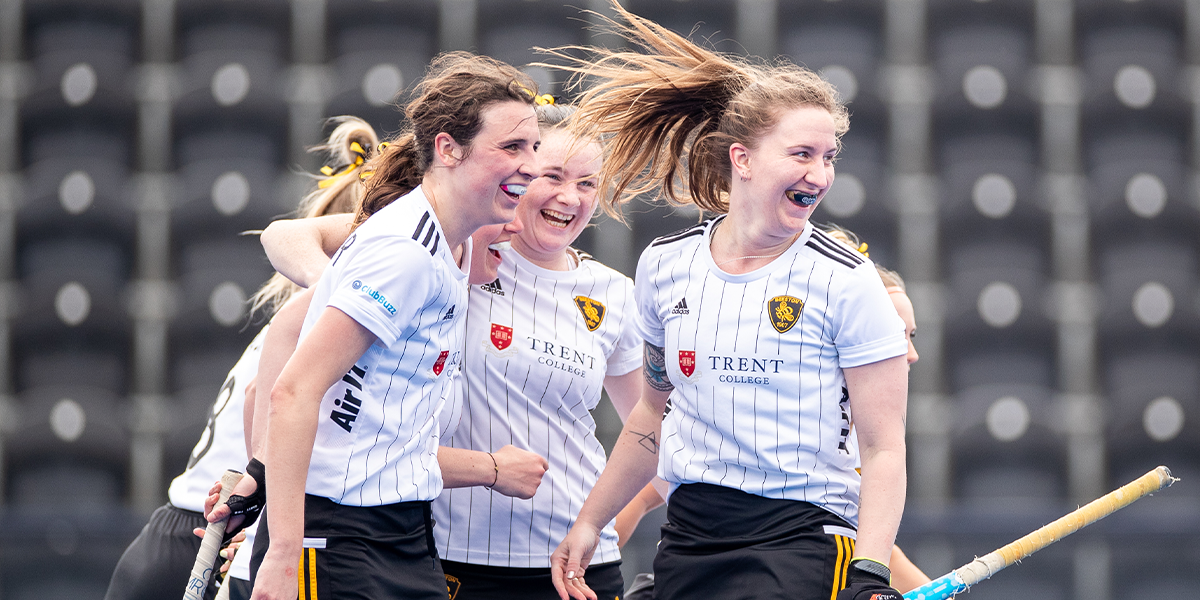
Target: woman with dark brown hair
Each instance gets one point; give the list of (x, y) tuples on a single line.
[(764, 333), (352, 433)]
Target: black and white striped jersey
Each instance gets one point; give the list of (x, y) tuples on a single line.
[(539, 345), (760, 401), (377, 433)]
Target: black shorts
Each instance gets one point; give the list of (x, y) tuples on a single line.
[(158, 563), (724, 544), (239, 589), (365, 552), (476, 582)]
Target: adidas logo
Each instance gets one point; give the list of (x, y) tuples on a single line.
[(449, 314), (493, 287), (681, 308)]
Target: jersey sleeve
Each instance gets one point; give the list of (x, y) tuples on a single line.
[(384, 286), (648, 318), (866, 326), (627, 355)]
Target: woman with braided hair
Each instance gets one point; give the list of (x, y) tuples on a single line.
[(764, 333)]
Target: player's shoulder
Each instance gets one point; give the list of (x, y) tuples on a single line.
[(680, 237), (597, 270), (828, 250), (407, 223)]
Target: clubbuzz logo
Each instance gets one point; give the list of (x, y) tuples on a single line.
[(681, 308), (374, 294)]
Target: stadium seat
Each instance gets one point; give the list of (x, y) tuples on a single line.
[(378, 50), (82, 190), (1147, 295), (982, 71), (989, 192), (1134, 77), (842, 43), (1139, 188), (73, 283), (101, 366), (224, 196), (1006, 448), (217, 276), (508, 30), (996, 294), (68, 433)]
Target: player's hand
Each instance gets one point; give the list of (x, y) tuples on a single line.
[(570, 561), (246, 487), (276, 579), (520, 472), (867, 586), (230, 549)]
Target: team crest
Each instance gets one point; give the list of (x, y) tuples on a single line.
[(499, 341), (593, 312), (440, 363), (784, 312), (452, 586), (687, 362)]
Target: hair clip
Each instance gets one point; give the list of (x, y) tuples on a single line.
[(332, 174), (544, 100), (862, 249)]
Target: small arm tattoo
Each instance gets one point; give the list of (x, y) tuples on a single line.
[(647, 440), (655, 369)]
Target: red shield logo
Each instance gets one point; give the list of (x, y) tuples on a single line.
[(687, 362), (440, 363), (501, 336)]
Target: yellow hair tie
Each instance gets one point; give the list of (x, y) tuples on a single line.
[(862, 249), (544, 99), (331, 176)]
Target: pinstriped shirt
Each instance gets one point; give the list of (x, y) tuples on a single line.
[(760, 401), (377, 431), (539, 344)]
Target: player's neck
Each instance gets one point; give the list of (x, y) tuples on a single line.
[(741, 249)]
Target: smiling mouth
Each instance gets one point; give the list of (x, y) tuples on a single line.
[(514, 190), (494, 249), (801, 198), (557, 219)]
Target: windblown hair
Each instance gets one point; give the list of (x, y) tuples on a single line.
[(670, 113), (450, 99), (891, 279), (342, 193)]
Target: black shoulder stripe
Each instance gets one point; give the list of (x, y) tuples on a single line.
[(837, 247), (830, 255), (421, 226), (679, 235), (433, 248), (429, 236)]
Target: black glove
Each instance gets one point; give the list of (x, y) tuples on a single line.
[(249, 506), (868, 580)]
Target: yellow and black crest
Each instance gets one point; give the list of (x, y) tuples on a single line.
[(784, 312), (592, 311)]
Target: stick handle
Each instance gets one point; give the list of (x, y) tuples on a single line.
[(211, 545), (985, 566)]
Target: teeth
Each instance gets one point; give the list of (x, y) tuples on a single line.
[(515, 189), (557, 215), (500, 246), (801, 198)]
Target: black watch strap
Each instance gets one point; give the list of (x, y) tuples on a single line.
[(874, 568)]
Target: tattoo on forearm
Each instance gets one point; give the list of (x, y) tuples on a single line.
[(655, 369), (647, 440)]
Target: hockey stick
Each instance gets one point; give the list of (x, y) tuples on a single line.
[(211, 545), (985, 566)]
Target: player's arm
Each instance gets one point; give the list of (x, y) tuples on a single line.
[(878, 398), (624, 391), (633, 464), (510, 470), (332, 346), (278, 346), (301, 248)]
